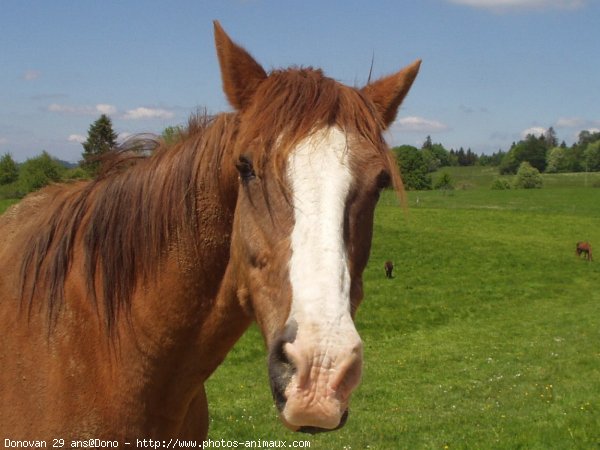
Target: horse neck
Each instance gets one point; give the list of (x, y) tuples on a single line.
[(205, 244), (184, 306), (226, 319)]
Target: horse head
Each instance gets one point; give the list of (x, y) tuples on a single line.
[(311, 162)]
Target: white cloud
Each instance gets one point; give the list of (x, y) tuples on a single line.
[(148, 113), (55, 107), (517, 5), (111, 110), (100, 108), (30, 75), (570, 122), (78, 138), (535, 131), (418, 124), (577, 122), (106, 109), (3, 141)]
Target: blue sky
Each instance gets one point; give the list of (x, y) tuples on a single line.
[(492, 69)]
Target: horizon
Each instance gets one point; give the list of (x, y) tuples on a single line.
[(493, 70)]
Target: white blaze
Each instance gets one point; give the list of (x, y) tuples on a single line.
[(320, 178)]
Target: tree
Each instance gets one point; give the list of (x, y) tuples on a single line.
[(509, 163), (101, 139), (413, 167), (38, 172), (587, 137), (556, 160), (592, 157), (9, 172), (550, 138), (532, 150), (492, 160), (575, 159), (428, 143), (462, 158), (576, 154), (441, 154), (431, 161), (528, 177), (435, 154), (472, 158)]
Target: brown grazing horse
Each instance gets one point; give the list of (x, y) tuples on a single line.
[(585, 248), (389, 268), (120, 296)]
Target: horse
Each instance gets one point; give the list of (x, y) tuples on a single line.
[(389, 267), (121, 295), (584, 248)]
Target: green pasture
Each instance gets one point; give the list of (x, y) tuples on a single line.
[(470, 177), (474, 177), (487, 337)]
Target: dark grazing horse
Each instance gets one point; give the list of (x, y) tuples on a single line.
[(389, 267), (584, 248), (120, 296)]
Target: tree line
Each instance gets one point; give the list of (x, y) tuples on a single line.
[(542, 153)]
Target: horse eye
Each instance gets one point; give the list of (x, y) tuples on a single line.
[(245, 168), (384, 180)]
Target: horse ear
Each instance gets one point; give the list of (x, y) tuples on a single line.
[(240, 73), (387, 93)]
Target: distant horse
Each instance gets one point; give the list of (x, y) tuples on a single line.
[(120, 296), (389, 267), (584, 248)]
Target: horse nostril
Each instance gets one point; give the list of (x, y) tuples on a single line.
[(281, 371), (281, 368)]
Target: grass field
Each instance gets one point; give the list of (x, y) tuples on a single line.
[(487, 337), (473, 177)]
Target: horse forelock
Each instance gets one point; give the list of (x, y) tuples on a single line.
[(292, 104), (126, 219)]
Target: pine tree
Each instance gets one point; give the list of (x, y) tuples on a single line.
[(101, 139), (427, 144), (550, 138)]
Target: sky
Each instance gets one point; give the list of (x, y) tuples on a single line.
[(492, 71)]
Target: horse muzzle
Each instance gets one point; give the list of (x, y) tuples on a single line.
[(312, 384)]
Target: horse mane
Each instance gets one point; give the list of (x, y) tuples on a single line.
[(126, 217), (140, 204)]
